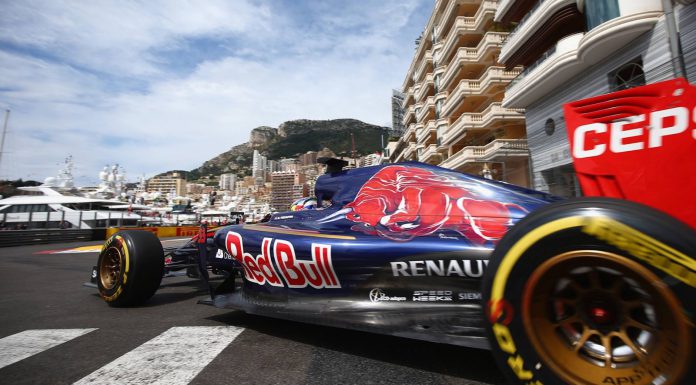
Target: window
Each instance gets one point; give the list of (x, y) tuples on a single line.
[(627, 76), (27, 208), (598, 12), (550, 127)]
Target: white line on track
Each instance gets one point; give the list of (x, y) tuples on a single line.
[(30, 342), (174, 357)]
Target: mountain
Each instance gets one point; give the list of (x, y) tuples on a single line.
[(292, 139)]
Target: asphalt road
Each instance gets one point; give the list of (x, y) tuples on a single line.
[(103, 345)]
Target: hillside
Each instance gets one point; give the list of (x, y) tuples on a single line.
[(292, 139)]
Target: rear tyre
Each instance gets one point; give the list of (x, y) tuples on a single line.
[(130, 268), (593, 291)]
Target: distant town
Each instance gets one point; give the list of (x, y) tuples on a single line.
[(272, 186)]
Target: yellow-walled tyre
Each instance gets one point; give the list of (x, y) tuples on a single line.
[(594, 291), (130, 268)]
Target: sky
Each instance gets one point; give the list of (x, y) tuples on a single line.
[(159, 85)]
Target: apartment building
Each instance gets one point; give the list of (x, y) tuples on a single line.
[(453, 92), (227, 182), (258, 165), (397, 105), (284, 189), (169, 183), (574, 49)]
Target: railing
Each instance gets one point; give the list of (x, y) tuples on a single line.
[(469, 21), (425, 86), (473, 54), (532, 67), (467, 86), (425, 131), (427, 105), (524, 19), (427, 152), (468, 120), (478, 153), (428, 58), (27, 237)]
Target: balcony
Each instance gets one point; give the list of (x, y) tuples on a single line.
[(490, 44), (503, 7), (417, 132), (463, 25), (398, 154), (424, 133), (410, 133), (425, 88), (408, 99), (606, 38), (410, 152), (479, 120), (574, 54), (494, 76), (437, 51), (534, 82), (426, 63), (552, 18), (493, 151), (427, 107), (409, 115), (428, 154), (536, 17)]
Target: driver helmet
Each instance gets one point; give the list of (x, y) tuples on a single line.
[(306, 203)]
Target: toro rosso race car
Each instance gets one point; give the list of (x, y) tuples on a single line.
[(593, 290)]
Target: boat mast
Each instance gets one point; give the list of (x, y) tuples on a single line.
[(4, 131)]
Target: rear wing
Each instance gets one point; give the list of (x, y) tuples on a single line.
[(638, 144)]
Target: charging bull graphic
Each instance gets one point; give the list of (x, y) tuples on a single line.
[(401, 202)]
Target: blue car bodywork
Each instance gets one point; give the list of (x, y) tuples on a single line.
[(399, 249)]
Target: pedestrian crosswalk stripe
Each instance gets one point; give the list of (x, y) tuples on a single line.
[(174, 357), (30, 342)]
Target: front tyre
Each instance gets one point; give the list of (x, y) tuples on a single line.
[(130, 268), (593, 291)]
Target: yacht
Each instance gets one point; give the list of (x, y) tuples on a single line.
[(45, 207), (58, 204)]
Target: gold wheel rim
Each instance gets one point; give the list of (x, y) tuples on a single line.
[(110, 268), (594, 316)]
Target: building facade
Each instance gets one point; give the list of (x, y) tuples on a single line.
[(453, 92), (397, 105), (258, 165), (167, 184), (227, 182), (282, 190), (576, 49)]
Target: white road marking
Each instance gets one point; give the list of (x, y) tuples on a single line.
[(174, 357), (30, 342)]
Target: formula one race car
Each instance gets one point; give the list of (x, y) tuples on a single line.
[(587, 291)]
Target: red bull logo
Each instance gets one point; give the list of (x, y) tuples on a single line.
[(401, 202), (278, 265)]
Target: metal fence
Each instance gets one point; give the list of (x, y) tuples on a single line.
[(28, 237)]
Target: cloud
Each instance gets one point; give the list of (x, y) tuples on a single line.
[(157, 86)]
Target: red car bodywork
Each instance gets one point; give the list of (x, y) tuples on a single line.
[(638, 144)]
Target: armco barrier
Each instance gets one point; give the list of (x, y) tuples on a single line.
[(29, 237)]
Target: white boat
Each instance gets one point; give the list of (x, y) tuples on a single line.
[(46, 207), (58, 204)]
